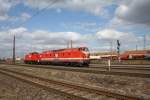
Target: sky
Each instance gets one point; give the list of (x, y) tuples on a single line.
[(41, 25)]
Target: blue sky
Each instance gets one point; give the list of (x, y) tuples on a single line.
[(48, 19), (92, 23)]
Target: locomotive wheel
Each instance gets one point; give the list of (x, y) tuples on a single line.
[(86, 65), (80, 64)]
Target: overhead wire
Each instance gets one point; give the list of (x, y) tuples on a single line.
[(34, 15)]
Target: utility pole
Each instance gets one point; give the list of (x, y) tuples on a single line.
[(14, 56), (71, 43), (144, 42), (136, 47), (111, 49)]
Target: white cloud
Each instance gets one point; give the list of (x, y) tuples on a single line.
[(92, 6), (17, 31), (55, 35), (128, 40), (109, 34), (90, 27), (39, 40), (5, 6), (132, 12), (24, 16), (3, 17), (19, 18)]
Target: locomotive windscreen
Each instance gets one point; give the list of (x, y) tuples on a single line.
[(84, 49)]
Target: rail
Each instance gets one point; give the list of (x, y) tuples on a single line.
[(88, 70), (73, 91)]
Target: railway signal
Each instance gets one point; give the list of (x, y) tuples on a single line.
[(118, 49)]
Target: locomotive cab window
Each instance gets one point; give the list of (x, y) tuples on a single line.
[(86, 49), (83, 49)]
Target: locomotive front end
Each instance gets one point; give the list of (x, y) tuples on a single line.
[(85, 56)]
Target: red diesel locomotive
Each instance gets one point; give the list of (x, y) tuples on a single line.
[(70, 56)]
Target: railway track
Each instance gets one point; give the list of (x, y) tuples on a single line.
[(70, 90), (89, 70), (124, 68), (144, 69), (132, 67)]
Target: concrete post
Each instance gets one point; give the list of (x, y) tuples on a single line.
[(109, 65)]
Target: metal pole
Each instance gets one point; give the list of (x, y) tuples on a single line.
[(109, 65), (136, 47), (111, 49), (14, 55), (71, 43), (144, 42)]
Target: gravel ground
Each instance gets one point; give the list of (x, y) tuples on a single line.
[(12, 89), (139, 87)]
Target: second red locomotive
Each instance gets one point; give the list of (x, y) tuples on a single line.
[(70, 56)]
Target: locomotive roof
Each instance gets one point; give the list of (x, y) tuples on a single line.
[(63, 49), (34, 53)]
